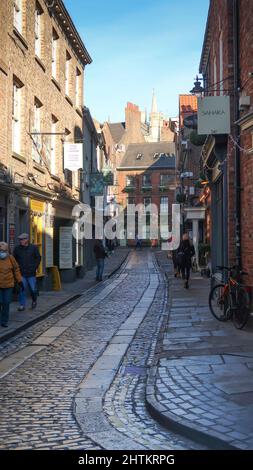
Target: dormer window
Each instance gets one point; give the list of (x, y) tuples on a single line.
[(139, 156), (156, 155)]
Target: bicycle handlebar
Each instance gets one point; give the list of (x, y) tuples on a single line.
[(230, 268)]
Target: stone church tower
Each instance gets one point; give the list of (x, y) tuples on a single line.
[(160, 128)]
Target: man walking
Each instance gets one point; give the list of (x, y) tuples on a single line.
[(100, 255), (28, 257), (137, 242)]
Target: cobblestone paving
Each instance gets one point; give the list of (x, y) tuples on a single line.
[(27, 336), (37, 397), (125, 401)]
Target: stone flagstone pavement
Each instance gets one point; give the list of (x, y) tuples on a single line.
[(202, 382)]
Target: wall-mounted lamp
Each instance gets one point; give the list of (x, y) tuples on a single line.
[(197, 90)]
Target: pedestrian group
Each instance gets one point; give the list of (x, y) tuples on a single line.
[(17, 275)]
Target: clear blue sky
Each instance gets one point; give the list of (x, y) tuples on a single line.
[(138, 45)]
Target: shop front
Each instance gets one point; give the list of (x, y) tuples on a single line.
[(216, 168), (67, 248)]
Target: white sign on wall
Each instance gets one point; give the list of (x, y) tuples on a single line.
[(65, 248), (214, 115), (73, 156)]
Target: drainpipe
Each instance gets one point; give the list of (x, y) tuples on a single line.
[(237, 130), (225, 215)]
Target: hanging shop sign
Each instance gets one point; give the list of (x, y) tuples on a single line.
[(214, 115), (73, 156), (108, 175), (96, 184)]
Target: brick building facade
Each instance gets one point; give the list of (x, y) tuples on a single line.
[(42, 61), (135, 130), (226, 65), (147, 175)]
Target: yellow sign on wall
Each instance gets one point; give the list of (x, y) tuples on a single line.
[(36, 229), (37, 206)]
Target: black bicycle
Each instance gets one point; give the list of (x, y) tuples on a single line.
[(231, 299)]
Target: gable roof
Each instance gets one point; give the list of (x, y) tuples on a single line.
[(165, 156), (117, 130)]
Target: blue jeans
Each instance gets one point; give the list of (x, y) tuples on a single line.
[(31, 283), (5, 300), (100, 269)]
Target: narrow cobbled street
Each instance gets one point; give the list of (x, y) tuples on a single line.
[(77, 380)]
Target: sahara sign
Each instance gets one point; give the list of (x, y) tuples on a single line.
[(214, 115)]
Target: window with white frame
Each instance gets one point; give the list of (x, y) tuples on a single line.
[(17, 20), (36, 149), (78, 87), (130, 181), (164, 205), (165, 179), (55, 43), (38, 30), (67, 74), (146, 181), (53, 145), (16, 117)]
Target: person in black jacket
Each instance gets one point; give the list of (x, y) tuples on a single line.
[(100, 255), (185, 253), (28, 257)]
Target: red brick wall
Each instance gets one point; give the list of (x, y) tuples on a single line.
[(155, 194), (246, 66), (221, 25), (221, 16), (133, 134)]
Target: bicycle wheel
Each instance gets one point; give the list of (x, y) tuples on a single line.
[(241, 313), (218, 302)]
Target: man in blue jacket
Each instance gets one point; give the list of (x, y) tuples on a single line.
[(28, 257)]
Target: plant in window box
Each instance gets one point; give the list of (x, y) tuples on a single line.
[(145, 189), (163, 188), (129, 189), (197, 139)]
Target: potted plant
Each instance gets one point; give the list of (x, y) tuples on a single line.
[(197, 139)]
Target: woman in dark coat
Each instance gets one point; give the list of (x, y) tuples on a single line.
[(175, 263), (185, 253)]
